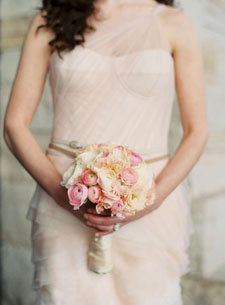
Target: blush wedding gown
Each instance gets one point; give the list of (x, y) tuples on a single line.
[(118, 87)]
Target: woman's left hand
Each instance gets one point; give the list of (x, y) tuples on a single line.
[(104, 223)]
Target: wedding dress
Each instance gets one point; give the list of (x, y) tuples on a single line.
[(118, 86)]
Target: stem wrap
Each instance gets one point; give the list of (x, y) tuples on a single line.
[(100, 254)]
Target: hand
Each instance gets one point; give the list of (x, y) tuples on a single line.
[(61, 198), (83, 210), (104, 225)]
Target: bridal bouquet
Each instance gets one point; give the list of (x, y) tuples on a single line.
[(112, 177)]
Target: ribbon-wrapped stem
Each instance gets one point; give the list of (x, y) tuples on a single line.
[(100, 254)]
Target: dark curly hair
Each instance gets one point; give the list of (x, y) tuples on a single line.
[(68, 20)]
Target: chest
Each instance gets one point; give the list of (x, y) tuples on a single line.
[(144, 73)]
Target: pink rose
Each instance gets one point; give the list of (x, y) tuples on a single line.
[(89, 178), (129, 175), (94, 193), (135, 158), (77, 194)]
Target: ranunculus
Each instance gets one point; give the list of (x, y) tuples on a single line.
[(135, 158), (94, 193), (86, 157), (106, 177), (71, 176), (89, 177), (137, 198), (110, 175), (103, 204), (108, 200), (106, 180), (119, 155), (129, 176), (118, 207), (145, 174), (120, 187), (77, 194)]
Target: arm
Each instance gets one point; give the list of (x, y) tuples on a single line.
[(24, 99), (189, 77)]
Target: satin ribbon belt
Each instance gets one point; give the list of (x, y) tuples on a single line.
[(73, 154)]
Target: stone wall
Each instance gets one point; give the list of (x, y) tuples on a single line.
[(17, 185), (205, 283)]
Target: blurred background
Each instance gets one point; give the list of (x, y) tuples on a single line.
[(205, 283)]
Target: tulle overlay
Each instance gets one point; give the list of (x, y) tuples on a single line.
[(119, 87)]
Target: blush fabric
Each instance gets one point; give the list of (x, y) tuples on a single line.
[(118, 87)]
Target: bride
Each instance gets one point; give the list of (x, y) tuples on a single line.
[(113, 67)]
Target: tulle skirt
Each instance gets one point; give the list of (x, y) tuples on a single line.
[(149, 254)]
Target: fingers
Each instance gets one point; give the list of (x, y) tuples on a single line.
[(105, 221), (103, 229), (93, 211), (108, 229)]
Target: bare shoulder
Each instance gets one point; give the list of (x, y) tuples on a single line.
[(179, 21), (38, 33), (177, 26)]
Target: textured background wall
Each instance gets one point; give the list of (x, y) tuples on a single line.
[(205, 284)]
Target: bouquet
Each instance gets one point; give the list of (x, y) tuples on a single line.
[(112, 177)]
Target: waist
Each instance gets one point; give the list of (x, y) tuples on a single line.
[(71, 147)]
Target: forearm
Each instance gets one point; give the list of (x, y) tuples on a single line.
[(25, 148), (187, 154)]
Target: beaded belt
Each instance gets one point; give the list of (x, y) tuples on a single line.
[(75, 144)]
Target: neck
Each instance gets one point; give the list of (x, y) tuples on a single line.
[(107, 8)]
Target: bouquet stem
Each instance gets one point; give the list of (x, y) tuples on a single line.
[(100, 254)]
